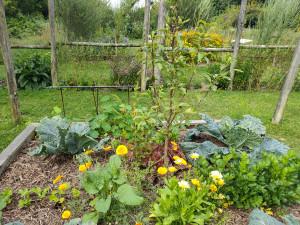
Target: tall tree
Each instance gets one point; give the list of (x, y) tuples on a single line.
[(10, 73)]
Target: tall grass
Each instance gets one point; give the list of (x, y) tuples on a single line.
[(277, 16)]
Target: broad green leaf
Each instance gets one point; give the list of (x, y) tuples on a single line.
[(102, 205), (127, 195), (90, 218), (258, 217)]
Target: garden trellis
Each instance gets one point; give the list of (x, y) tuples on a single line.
[(161, 23)]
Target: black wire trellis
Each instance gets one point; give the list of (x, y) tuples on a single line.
[(95, 90)]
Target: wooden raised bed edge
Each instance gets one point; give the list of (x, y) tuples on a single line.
[(10, 152)]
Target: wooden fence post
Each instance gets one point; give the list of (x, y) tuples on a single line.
[(146, 37), (287, 87), (10, 73), (237, 41), (51, 9), (160, 26)]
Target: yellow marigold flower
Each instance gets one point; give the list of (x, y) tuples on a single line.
[(138, 223), (180, 161), (196, 182), (184, 184), (213, 188), (220, 182), (57, 179), (88, 164), (122, 150), (194, 156), (162, 170), (82, 168), (88, 151), (172, 169), (176, 157), (174, 146), (225, 205), (63, 187), (269, 212), (220, 210), (66, 214), (107, 148)]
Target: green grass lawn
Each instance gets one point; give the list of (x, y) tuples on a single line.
[(79, 106)]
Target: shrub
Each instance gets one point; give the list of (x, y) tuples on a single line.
[(33, 71), (271, 180)]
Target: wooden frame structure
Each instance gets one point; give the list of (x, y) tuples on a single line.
[(11, 80)]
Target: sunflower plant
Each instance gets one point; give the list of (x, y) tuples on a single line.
[(109, 188)]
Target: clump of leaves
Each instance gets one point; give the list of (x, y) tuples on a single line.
[(33, 71), (27, 194), (273, 180), (247, 134), (5, 199), (58, 136), (111, 189)]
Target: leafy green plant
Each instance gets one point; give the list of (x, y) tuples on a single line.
[(273, 180), (33, 71), (27, 194), (5, 199), (177, 205), (111, 189), (58, 136), (247, 134)]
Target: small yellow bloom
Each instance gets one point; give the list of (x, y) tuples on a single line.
[(176, 157), (196, 182), (88, 151), (174, 146), (225, 205), (269, 212), (57, 179), (189, 166), (213, 188), (63, 187), (172, 169), (107, 148), (82, 168), (138, 223), (194, 156), (180, 161), (122, 150), (88, 164), (216, 175), (66, 214), (220, 210), (162, 170), (220, 182), (184, 184)]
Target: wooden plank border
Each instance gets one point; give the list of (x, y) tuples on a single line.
[(11, 151)]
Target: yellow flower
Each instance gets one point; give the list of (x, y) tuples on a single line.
[(66, 214), (162, 170), (82, 168), (57, 179), (63, 187), (107, 148), (176, 157), (220, 182), (216, 175), (183, 184), (122, 150), (196, 182), (174, 146), (172, 169), (225, 205), (180, 161), (269, 212), (138, 223), (189, 166), (213, 188), (194, 156), (88, 151), (88, 164), (220, 210)]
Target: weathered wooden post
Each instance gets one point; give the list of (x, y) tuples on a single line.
[(287, 87), (146, 37), (160, 26), (10, 73), (51, 9), (238, 36)]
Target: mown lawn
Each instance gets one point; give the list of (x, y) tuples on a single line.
[(79, 106)]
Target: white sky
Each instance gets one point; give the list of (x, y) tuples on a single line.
[(116, 3)]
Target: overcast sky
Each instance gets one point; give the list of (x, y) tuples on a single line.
[(116, 3)]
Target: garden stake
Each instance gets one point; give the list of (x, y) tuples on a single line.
[(62, 101)]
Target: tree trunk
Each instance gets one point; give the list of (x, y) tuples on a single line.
[(287, 87), (160, 26), (237, 41), (51, 8), (146, 36), (10, 73)]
